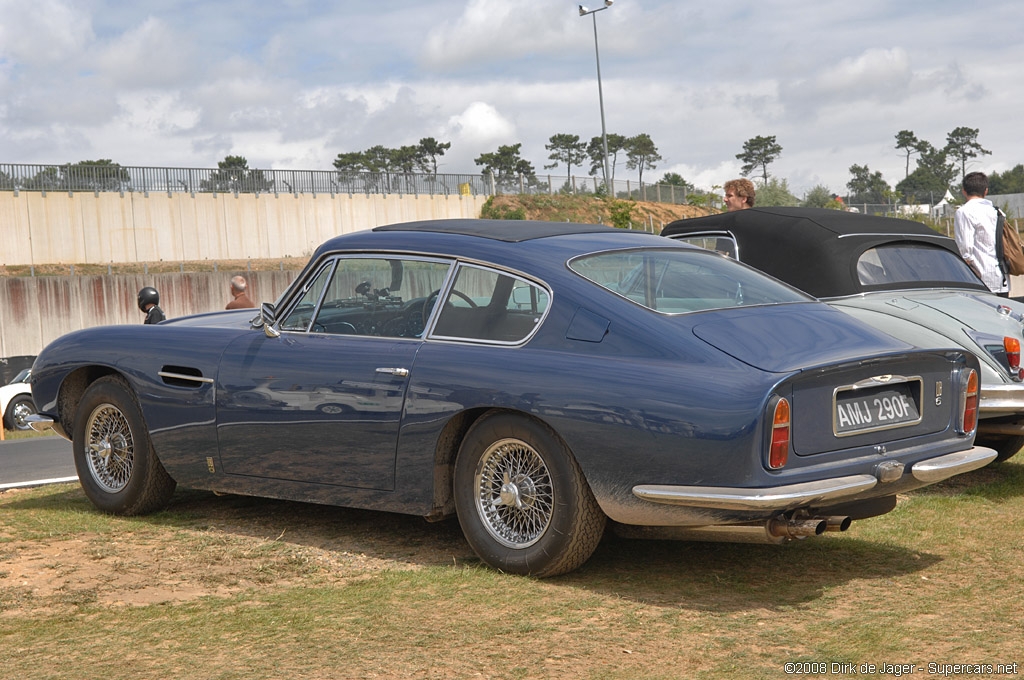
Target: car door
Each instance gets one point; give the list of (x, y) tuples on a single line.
[(323, 402)]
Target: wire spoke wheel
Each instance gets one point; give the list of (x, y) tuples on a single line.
[(514, 493), (110, 448)]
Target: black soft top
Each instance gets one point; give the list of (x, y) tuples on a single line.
[(814, 249), (512, 231)]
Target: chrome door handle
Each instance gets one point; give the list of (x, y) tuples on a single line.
[(400, 372)]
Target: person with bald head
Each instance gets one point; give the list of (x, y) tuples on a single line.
[(240, 298)]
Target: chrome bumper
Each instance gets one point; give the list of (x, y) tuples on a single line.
[(999, 400), (792, 496), (41, 423)]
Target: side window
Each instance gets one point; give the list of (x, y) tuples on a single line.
[(378, 296), (488, 305), (724, 245)]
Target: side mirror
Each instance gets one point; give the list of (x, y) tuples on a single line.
[(267, 319)]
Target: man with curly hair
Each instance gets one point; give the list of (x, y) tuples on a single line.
[(739, 194)]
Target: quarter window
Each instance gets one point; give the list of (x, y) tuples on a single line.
[(492, 306)]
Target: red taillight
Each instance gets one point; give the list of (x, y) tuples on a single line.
[(778, 453), (1012, 347), (969, 419)]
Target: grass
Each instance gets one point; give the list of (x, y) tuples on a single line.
[(231, 587), (10, 435)]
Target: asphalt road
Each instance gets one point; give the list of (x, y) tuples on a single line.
[(35, 461)]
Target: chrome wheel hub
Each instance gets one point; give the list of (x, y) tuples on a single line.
[(514, 496), (21, 411), (110, 449)]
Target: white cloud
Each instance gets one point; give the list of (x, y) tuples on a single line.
[(151, 54), (43, 32), (481, 124)]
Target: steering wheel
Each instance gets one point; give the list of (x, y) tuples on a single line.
[(428, 304)]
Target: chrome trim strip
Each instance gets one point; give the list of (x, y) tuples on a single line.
[(943, 467), (182, 376), (780, 498), (912, 236), (400, 372)]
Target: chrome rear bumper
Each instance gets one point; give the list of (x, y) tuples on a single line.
[(817, 493), (997, 400)]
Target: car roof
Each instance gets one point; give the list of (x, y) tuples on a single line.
[(512, 231), (814, 249)]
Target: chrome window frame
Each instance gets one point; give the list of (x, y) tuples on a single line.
[(473, 264), (332, 262)]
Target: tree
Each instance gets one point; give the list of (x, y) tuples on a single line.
[(566, 149), (1009, 182), (101, 175), (936, 166), (865, 186), (641, 153), (775, 193), (818, 196), (506, 166), (759, 152), (595, 152), (432, 149), (233, 174), (908, 141), (962, 144)]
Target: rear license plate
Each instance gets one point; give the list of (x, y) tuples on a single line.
[(880, 407)]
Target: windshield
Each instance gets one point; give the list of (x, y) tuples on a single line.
[(21, 377), (910, 263), (677, 281)]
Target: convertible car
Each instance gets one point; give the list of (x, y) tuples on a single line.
[(534, 379), (16, 401), (897, 275)]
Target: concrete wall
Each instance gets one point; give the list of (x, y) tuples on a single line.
[(36, 310), (89, 228)]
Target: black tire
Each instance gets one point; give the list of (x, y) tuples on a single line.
[(19, 408), (1006, 446), (522, 500), (114, 456)]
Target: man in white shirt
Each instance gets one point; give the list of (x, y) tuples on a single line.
[(975, 229)]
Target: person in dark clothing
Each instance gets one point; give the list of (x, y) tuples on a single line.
[(149, 301)]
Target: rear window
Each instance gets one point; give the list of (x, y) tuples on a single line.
[(678, 281), (901, 263)]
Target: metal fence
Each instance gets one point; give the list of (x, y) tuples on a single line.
[(96, 178)]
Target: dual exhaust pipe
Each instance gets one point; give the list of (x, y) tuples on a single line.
[(773, 531), (804, 527)]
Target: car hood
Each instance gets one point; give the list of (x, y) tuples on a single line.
[(790, 337), (236, 318)]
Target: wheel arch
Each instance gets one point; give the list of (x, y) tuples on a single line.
[(73, 386), (448, 443)]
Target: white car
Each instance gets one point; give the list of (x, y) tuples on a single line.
[(16, 401)]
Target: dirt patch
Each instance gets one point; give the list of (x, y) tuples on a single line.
[(238, 544)]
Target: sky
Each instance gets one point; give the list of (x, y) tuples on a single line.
[(290, 84)]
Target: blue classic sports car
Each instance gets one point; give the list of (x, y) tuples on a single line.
[(536, 380)]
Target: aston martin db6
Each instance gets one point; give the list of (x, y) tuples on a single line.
[(536, 380)]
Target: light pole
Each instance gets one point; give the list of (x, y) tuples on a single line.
[(600, 95)]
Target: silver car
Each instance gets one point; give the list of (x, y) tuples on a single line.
[(897, 275)]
